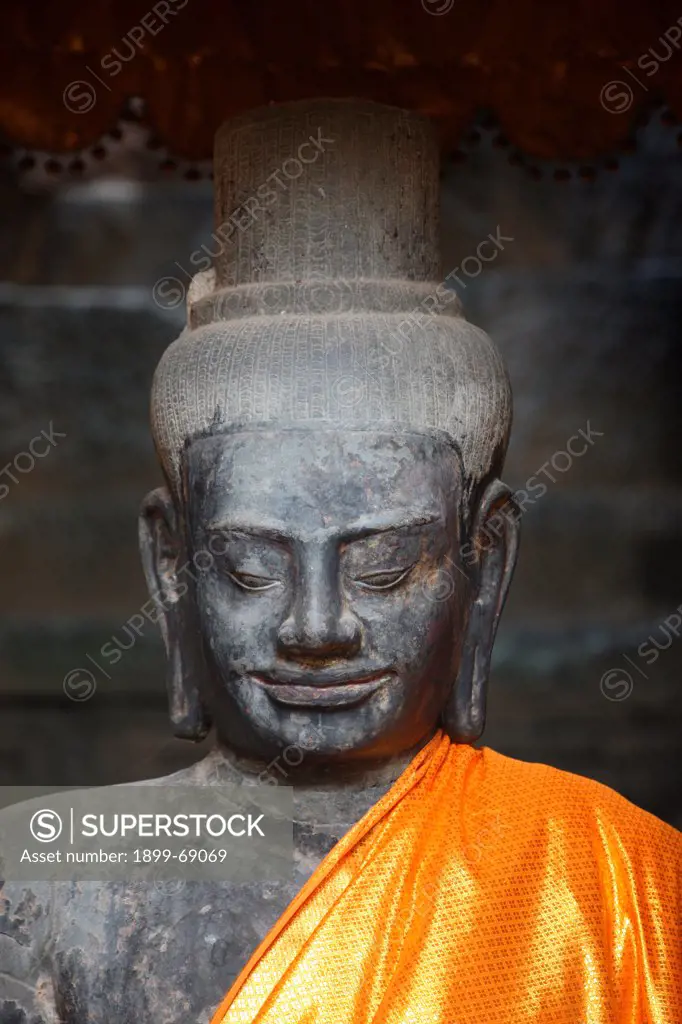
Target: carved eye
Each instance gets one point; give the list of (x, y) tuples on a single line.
[(383, 579), (247, 581)]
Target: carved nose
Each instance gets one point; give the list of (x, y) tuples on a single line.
[(320, 633), (318, 624)]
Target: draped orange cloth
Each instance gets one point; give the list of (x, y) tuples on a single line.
[(480, 890)]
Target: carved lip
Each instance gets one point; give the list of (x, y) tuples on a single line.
[(322, 691)]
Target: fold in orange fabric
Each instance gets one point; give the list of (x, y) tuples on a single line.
[(480, 890)]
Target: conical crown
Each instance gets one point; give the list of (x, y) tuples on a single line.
[(324, 305)]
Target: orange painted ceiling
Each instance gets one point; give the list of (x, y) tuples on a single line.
[(565, 80)]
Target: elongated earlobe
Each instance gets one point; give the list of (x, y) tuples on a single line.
[(161, 549), (494, 547)]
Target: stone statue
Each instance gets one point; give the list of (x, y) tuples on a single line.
[(332, 433)]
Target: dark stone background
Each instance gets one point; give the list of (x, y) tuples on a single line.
[(585, 304)]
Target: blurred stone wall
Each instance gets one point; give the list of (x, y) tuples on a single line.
[(584, 300)]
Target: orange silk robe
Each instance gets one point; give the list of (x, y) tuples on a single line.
[(480, 890)]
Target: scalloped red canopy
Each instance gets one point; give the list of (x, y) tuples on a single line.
[(563, 79)]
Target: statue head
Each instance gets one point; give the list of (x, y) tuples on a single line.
[(332, 433)]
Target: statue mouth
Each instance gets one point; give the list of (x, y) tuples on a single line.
[(325, 690)]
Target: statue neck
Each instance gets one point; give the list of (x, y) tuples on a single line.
[(329, 793)]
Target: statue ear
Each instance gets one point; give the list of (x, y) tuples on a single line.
[(493, 548), (161, 548)]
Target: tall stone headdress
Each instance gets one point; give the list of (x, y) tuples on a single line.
[(324, 304)]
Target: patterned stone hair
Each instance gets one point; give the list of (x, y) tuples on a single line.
[(323, 305)]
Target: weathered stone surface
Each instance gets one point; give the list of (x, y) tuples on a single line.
[(36, 657), (549, 702), (598, 555), (68, 358), (113, 232), (619, 217), (96, 743), (593, 345), (85, 551)]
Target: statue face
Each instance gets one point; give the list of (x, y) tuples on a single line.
[(332, 608)]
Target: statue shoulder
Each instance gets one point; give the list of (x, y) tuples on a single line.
[(205, 772), (593, 815)]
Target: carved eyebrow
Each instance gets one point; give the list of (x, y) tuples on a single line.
[(366, 526), (253, 528)]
